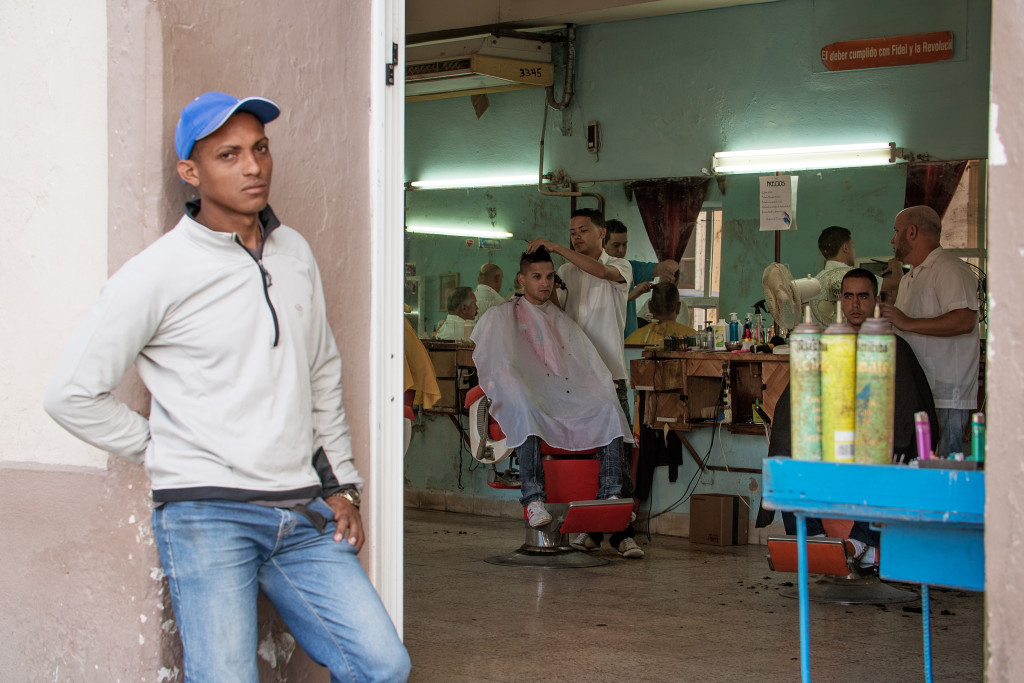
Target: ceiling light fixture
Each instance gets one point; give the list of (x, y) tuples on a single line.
[(460, 183), (803, 158), (459, 232)]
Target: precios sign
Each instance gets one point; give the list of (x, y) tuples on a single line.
[(869, 53)]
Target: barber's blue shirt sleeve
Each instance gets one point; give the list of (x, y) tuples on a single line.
[(642, 272)]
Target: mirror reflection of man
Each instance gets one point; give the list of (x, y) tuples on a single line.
[(616, 241), (461, 308), (859, 294), (666, 271), (936, 311), (836, 246), (488, 289)]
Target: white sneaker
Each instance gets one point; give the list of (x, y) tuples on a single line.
[(537, 515), (583, 541), (629, 548)]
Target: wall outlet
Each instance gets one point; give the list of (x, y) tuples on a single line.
[(593, 137)]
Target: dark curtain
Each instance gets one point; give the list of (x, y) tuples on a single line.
[(933, 184), (669, 209)]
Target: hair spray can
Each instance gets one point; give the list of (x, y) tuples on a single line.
[(876, 388), (805, 389), (978, 437), (838, 383)]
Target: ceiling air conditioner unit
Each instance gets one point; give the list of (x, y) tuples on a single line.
[(473, 66)]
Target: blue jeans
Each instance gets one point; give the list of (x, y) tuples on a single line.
[(218, 554), (531, 469), (952, 422)]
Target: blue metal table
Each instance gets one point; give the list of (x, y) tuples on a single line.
[(926, 516)]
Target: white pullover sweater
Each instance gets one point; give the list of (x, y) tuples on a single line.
[(242, 366)]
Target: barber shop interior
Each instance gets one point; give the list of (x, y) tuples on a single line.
[(695, 356)]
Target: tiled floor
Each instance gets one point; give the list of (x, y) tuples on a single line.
[(684, 613)]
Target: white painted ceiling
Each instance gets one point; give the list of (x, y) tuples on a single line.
[(433, 19)]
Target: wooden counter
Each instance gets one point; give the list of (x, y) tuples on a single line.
[(455, 371), (682, 388)]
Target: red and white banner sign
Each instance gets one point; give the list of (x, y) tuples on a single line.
[(869, 53)]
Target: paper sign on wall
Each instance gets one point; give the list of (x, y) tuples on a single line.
[(778, 202)]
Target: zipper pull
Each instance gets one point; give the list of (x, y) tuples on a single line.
[(267, 280)]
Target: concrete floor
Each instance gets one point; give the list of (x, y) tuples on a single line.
[(684, 613)]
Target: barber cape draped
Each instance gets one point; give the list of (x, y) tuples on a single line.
[(545, 378)]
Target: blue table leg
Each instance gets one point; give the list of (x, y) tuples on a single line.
[(805, 613), (926, 625)]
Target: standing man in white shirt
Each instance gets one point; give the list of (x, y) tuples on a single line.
[(936, 311), (596, 286), (488, 291)]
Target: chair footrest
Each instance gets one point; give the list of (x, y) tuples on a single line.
[(508, 479), (824, 555), (502, 485), (597, 515)]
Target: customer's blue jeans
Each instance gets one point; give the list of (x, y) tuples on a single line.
[(531, 469), (218, 554)]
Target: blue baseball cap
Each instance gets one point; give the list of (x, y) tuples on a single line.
[(208, 112)]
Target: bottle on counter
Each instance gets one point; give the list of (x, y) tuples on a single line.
[(720, 334), (748, 332), (734, 328), (978, 437)]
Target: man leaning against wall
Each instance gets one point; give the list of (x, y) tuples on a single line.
[(247, 446)]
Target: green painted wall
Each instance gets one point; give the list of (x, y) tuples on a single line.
[(669, 92)]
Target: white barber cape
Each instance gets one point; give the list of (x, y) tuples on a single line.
[(545, 378)]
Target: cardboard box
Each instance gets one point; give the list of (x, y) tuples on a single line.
[(719, 519)]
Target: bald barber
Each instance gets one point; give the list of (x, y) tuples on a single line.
[(936, 311), (488, 291)]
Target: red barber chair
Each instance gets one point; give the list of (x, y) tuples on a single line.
[(570, 479), (844, 581), (407, 402)]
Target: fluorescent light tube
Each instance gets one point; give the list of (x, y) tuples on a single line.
[(459, 232), (801, 158), (493, 181)]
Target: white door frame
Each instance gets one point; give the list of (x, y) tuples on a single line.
[(387, 154)]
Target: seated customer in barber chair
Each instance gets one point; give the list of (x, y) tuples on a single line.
[(545, 380), (665, 306), (859, 294)]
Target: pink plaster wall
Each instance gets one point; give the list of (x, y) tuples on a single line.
[(81, 589), (79, 580), (1004, 506), (312, 59)]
